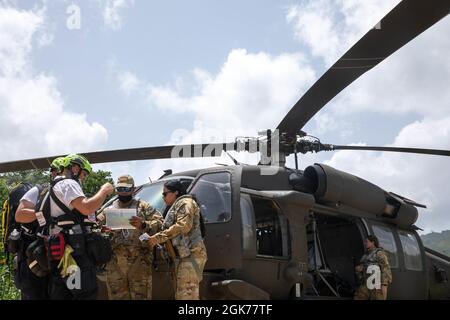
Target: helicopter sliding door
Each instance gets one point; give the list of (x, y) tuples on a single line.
[(216, 196)]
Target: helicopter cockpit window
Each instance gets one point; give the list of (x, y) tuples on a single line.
[(271, 228), (151, 193), (387, 242), (213, 193), (411, 251)]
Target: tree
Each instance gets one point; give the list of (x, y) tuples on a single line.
[(95, 180)]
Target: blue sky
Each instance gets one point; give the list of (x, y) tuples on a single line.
[(137, 72)]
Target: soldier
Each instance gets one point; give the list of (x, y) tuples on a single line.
[(374, 256), (183, 227), (129, 273)]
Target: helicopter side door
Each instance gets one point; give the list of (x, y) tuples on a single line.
[(218, 197)]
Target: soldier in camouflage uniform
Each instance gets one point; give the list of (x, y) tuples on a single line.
[(129, 273), (182, 225), (374, 256)]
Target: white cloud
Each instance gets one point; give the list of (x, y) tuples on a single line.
[(329, 28), (128, 82), (112, 12), (34, 122), (405, 83), (16, 32), (419, 177), (232, 100)]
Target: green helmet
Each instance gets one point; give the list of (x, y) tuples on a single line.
[(58, 164), (78, 159)]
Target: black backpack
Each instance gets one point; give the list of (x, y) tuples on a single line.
[(9, 211)]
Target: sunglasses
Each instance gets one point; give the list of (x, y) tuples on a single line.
[(124, 189), (164, 194)]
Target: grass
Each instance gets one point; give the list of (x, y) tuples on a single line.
[(7, 289)]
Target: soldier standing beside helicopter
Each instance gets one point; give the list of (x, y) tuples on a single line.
[(374, 255), (129, 273), (183, 227)]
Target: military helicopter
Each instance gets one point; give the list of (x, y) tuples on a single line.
[(275, 232)]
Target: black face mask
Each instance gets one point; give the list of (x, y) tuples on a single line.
[(75, 177), (125, 199)]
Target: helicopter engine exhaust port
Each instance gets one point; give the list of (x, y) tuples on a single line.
[(337, 187)]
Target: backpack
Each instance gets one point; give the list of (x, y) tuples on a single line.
[(9, 209)]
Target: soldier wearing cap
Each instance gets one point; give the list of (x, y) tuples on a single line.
[(129, 273)]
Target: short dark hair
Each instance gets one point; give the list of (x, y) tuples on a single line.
[(373, 239), (176, 185)]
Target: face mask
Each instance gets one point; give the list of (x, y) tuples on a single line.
[(75, 177), (125, 199)]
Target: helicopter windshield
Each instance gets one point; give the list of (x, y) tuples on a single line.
[(152, 193)]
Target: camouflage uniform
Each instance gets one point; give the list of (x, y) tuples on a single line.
[(129, 273), (375, 256), (182, 226)]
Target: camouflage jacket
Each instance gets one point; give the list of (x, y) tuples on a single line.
[(152, 218), (182, 225), (376, 256)]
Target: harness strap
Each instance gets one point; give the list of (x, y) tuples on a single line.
[(64, 208)]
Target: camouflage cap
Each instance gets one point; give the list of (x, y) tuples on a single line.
[(125, 181)]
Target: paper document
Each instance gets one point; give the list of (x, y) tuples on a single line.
[(119, 218)]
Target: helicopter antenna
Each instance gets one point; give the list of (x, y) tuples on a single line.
[(233, 159), (166, 173)]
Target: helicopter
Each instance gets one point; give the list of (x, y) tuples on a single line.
[(274, 232)]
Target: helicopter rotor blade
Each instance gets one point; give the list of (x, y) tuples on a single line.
[(435, 152), (406, 21), (149, 153)]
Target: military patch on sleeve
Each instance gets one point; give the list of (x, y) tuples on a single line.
[(182, 209)]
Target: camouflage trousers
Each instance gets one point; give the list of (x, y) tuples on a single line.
[(187, 277), (129, 274), (363, 293)]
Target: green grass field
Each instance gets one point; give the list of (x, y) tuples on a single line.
[(7, 289)]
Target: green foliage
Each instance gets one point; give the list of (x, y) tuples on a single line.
[(7, 289), (3, 190), (95, 180), (438, 241)]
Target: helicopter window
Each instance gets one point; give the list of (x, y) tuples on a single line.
[(213, 193), (271, 228), (387, 242), (151, 193), (411, 250)]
